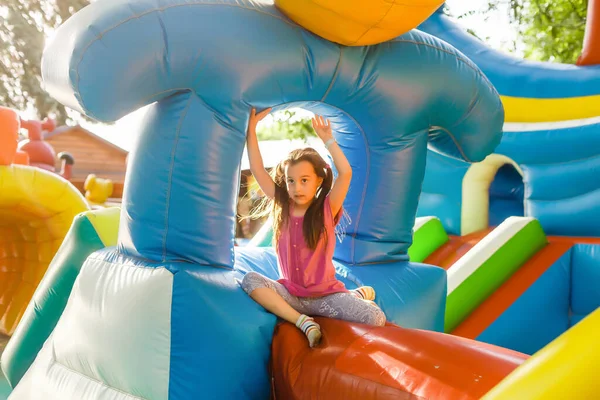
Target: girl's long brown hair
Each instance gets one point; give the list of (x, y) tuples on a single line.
[(279, 206)]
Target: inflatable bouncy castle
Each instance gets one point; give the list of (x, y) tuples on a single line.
[(145, 302), (531, 210), (37, 208)]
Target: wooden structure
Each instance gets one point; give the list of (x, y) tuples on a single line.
[(92, 154)]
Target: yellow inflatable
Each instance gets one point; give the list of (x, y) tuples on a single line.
[(358, 22), (37, 208), (97, 190), (521, 109), (475, 207), (567, 368)]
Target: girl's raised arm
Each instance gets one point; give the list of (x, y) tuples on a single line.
[(257, 167), (341, 185)]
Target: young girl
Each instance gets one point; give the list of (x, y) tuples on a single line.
[(306, 207)]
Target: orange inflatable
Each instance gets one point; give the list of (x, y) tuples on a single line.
[(41, 154), (356, 361), (37, 208), (591, 42), (36, 152), (9, 128), (21, 158)]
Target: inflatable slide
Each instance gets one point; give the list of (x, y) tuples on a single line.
[(545, 169)]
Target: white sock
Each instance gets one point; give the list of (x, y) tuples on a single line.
[(311, 329)]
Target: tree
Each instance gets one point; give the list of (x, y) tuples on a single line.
[(549, 30), (24, 26), (287, 124)]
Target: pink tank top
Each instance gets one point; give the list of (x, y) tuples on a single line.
[(306, 272)]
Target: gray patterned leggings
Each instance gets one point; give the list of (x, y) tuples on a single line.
[(344, 306)]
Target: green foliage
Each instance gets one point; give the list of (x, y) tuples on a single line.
[(24, 25), (552, 30), (548, 30), (286, 125)]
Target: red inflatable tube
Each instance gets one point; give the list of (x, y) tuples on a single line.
[(356, 361)]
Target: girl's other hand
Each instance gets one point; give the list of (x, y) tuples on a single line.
[(322, 128), (256, 118)]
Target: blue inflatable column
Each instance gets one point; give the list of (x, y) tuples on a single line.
[(182, 184)]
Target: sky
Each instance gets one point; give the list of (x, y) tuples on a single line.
[(495, 30)]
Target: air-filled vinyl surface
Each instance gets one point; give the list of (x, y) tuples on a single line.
[(36, 211)]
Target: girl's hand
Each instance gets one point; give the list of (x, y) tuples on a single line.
[(322, 128), (256, 118), (344, 171), (256, 163)]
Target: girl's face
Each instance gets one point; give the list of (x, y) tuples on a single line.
[(302, 182)]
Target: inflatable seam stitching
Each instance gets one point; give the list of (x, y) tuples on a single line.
[(469, 65), (453, 139), (563, 198), (103, 260), (61, 365), (470, 109), (565, 163), (173, 152), (464, 60), (165, 56), (335, 75), (367, 175), (392, 4)]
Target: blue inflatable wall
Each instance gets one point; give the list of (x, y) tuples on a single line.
[(513, 76), (565, 294), (202, 65), (560, 162), (561, 168)]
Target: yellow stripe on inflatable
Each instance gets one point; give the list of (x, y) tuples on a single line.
[(106, 221), (37, 208), (476, 184), (567, 368), (520, 109)]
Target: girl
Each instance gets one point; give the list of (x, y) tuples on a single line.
[(306, 207)]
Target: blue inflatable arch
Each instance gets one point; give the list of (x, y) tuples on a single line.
[(201, 65), (204, 76)]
